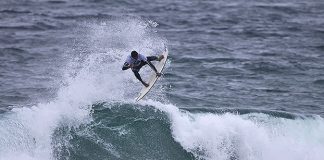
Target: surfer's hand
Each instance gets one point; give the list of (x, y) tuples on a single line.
[(158, 74)]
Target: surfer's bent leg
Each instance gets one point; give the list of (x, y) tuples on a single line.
[(138, 76), (152, 66)]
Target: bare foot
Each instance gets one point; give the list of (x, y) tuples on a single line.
[(145, 84), (160, 57)]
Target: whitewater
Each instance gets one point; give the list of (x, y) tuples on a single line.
[(95, 95)]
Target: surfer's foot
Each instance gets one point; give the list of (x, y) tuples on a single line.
[(158, 74), (160, 57), (145, 84)]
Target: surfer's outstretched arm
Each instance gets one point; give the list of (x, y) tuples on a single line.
[(126, 66)]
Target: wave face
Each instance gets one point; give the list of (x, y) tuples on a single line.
[(120, 131), (153, 130)]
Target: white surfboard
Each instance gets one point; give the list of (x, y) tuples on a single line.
[(153, 78)]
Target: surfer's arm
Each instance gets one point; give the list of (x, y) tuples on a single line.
[(126, 66)]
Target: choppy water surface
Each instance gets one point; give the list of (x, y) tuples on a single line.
[(245, 80)]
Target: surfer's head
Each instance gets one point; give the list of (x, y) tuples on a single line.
[(134, 54)]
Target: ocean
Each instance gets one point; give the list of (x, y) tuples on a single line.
[(244, 80)]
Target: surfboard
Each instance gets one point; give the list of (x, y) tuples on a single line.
[(153, 78)]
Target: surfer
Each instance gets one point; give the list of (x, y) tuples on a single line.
[(136, 61)]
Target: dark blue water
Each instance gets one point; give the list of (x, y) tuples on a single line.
[(245, 80)]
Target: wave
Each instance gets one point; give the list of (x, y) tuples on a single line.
[(12, 11), (153, 130), (319, 82), (84, 16), (39, 26), (120, 131), (248, 136)]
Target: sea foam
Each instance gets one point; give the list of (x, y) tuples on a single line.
[(254, 136)]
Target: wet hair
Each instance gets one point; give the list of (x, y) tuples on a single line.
[(134, 54)]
